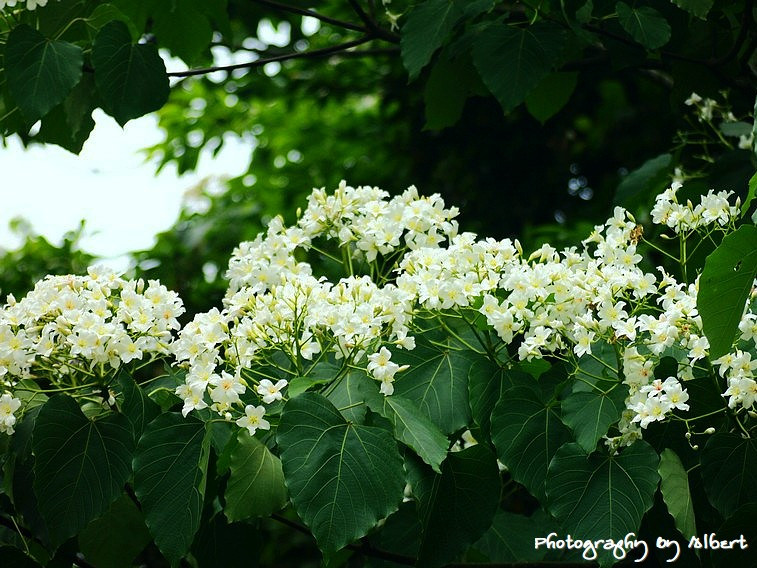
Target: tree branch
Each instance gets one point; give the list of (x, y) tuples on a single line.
[(276, 58), (312, 14), (372, 25)]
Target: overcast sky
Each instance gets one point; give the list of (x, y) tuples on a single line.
[(110, 185)]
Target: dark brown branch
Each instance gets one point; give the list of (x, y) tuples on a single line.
[(372, 25), (312, 14), (276, 58)]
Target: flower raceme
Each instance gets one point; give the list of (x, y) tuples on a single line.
[(403, 264), (75, 332)]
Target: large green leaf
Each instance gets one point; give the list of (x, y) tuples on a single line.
[(511, 537), (550, 95), (347, 395), (527, 431), (752, 190), (427, 27), (412, 427), (513, 60), (447, 89), (12, 557), (181, 27), (115, 539), (644, 24), (458, 505), (674, 486), (698, 8), (80, 467), (437, 382), (486, 383), (342, 477), (602, 496), (131, 79), (256, 485), (724, 287), (590, 413), (138, 408), (729, 472), (169, 479), (646, 181), (40, 72), (238, 544)]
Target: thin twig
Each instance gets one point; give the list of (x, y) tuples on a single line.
[(276, 58), (312, 14), (372, 25)]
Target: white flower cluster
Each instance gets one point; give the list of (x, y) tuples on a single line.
[(85, 324), (275, 304), (712, 208), (564, 303), (27, 4), (739, 369), (8, 406)]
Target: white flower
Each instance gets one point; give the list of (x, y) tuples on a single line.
[(269, 391), (8, 405), (253, 419)]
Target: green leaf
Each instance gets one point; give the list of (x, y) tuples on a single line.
[(698, 8), (729, 472), (106, 13), (674, 486), (437, 382), (512, 61), (590, 413), (486, 383), (80, 465), (182, 28), (511, 538), (169, 480), (447, 89), (645, 181), (347, 395), (12, 557), (550, 95), (458, 505), (115, 539), (131, 79), (644, 24), (527, 432), (724, 287), (412, 427), (40, 72), (601, 496), (342, 477), (137, 406), (428, 26), (736, 129), (256, 485), (750, 195), (238, 544)]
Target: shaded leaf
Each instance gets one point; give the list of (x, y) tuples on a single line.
[(724, 287), (511, 538), (256, 485), (40, 72), (729, 472), (512, 61), (698, 8), (602, 496), (130, 78), (428, 26), (437, 382), (550, 95), (589, 413), (80, 465), (182, 28), (674, 486), (527, 432), (115, 539), (138, 408), (457, 506), (644, 182), (644, 24), (342, 477), (169, 480), (412, 427)]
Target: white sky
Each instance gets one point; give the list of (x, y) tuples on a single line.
[(110, 185)]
